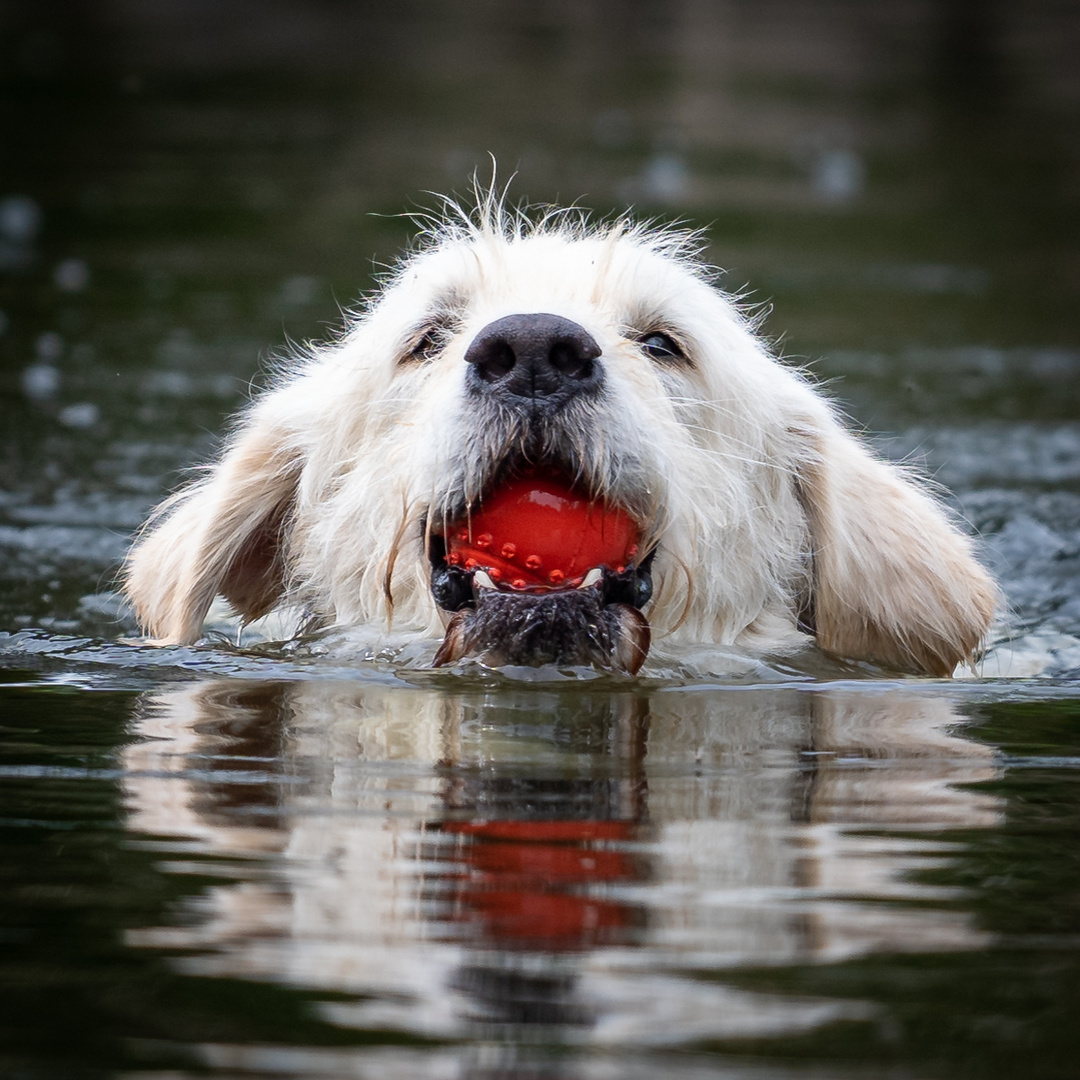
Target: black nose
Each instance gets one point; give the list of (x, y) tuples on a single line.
[(535, 356)]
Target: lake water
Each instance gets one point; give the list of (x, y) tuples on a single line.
[(302, 860)]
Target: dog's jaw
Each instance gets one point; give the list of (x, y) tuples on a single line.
[(565, 627), (576, 600)]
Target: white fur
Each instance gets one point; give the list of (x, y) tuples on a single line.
[(761, 502)]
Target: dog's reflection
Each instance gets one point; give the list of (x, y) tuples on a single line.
[(492, 856)]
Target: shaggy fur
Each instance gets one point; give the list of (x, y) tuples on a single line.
[(769, 519)]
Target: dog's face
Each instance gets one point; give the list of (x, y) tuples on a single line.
[(583, 401), (603, 362)]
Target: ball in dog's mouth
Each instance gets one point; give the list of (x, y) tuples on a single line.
[(538, 573)]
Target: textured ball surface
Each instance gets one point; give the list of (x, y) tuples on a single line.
[(537, 531)]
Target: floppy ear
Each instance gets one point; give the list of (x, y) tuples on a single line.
[(222, 535), (893, 580)]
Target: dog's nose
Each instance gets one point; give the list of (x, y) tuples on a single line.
[(535, 356)]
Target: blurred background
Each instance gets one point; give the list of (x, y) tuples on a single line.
[(188, 185)]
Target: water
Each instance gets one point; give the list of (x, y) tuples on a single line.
[(305, 860)]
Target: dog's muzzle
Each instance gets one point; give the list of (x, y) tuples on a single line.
[(535, 572)]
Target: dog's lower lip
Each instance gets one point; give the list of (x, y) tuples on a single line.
[(455, 587), (597, 622)]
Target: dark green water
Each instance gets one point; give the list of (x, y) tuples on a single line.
[(295, 863)]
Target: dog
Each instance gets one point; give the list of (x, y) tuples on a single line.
[(535, 380)]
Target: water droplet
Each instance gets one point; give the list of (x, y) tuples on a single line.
[(40, 382), (20, 219), (299, 290), (665, 177), (71, 275), (49, 346), (838, 175), (84, 414), (168, 384)]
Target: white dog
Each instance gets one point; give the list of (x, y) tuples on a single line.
[(513, 368)]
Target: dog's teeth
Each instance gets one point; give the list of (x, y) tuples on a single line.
[(591, 578), (482, 580)]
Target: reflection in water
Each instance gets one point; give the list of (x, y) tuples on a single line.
[(568, 866)]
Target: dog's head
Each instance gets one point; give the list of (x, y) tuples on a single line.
[(536, 431), (564, 384)]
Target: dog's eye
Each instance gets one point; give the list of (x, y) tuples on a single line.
[(427, 345), (428, 341), (662, 347)]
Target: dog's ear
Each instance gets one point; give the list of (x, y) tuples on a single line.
[(893, 580), (220, 536)]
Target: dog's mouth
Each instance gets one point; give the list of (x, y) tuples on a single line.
[(538, 573)]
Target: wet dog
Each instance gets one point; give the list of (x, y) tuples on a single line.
[(546, 441)]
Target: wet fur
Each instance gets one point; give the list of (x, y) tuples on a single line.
[(772, 519)]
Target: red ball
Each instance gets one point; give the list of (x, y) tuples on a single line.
[(538, 531)]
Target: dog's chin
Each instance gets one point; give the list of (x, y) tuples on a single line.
[(567, 627), (585, 613)]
